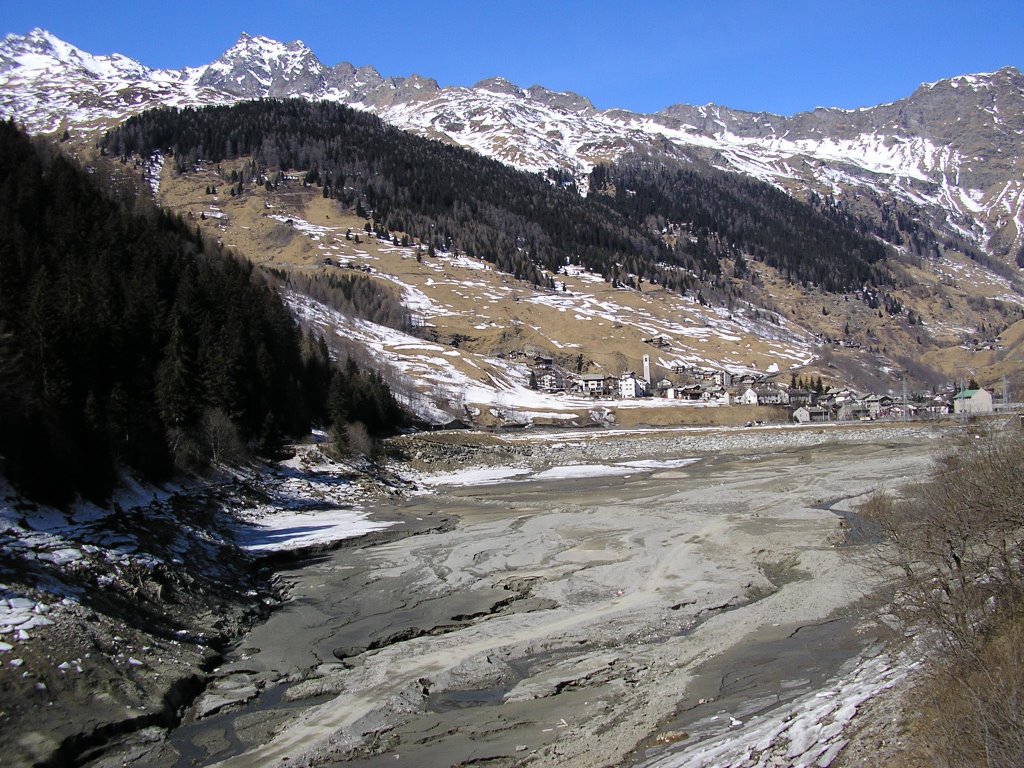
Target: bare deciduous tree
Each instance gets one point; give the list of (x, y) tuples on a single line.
[(958, 538), (958, 541)]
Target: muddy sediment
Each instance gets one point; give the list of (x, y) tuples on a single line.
[(577, 621), (133, 606), (568, 621)]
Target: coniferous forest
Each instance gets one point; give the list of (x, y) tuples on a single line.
[(449, 197), (727, 214), (128, 340)]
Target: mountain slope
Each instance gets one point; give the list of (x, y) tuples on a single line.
[(950, 154), (128, 340), (937, 175), (450, 198)]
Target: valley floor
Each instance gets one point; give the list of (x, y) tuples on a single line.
[(577, 598)]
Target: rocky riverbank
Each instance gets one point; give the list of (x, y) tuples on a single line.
[(112, 617)]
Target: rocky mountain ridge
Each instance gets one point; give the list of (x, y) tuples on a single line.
[(951, 154)]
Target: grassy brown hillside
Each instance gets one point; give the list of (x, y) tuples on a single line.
[(474, 312)]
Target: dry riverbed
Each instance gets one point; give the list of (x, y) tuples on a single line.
[(600, 599)]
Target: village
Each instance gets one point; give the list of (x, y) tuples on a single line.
[(806, 401)]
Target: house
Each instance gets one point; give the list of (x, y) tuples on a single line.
[(798, 397), (550, 380), (973, 402), (748, 397), (807, 414), (852, 410), (713, 376), (630, 385), (597, 384), (877, 405), (771, 396), (763, 396), (691, 392), (715, 395), (659, 341), (898, 409), (937, 405), (745, 380)]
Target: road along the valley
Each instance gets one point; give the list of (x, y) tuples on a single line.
[(571, 615)]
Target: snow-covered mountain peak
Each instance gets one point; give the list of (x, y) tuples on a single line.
[(565, 100), (980, 80), (258, 66), (258, 46), (500, 85), (40, 53), (953, 148)]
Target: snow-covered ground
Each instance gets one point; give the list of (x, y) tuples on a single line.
[(310, 501), (476, 476), (307, 502), (809, 733), (51, 542)]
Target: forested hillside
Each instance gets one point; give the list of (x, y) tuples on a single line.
[(449, 197), (726, 214), (127, 339)]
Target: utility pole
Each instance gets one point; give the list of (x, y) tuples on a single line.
[(963, 400), (960, 394)]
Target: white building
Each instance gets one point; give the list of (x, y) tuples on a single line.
[(632, 386), (973, 402), (749, 397)]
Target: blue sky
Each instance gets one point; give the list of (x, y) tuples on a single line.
[(781, 56)]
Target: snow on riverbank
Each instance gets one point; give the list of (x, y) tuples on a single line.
[(289, 530), (309, 501), (493, 475), (475, 476), (58, 548), (809, 733), (529, 455), (52, 555)]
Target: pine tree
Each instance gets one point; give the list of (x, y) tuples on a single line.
[(176, 391)]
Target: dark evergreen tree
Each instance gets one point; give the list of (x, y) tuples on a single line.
[(126, 340)]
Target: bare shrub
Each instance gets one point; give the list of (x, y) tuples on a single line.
[(971, 707), (221, 438), (362, 443), (958, 540), (353, 439)]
